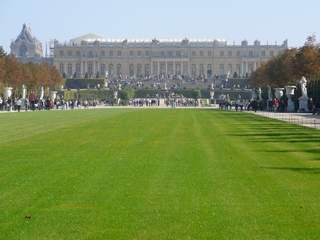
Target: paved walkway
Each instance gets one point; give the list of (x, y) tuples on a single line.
[(302, 119)]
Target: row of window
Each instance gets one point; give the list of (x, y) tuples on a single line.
[(161, 68), (148, 53)]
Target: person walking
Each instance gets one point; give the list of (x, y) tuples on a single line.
[(18, 104)]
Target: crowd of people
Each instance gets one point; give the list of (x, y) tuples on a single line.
[(33, 103)]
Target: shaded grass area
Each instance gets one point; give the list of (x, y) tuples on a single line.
[(157, 174)]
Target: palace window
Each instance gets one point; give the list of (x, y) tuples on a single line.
[(102, 53), (250, 66), (263, 53), (69, 69), (194, 53), (69, 53), (90, 69), (139, 70), (111, 53), (238, 53), (178, 68), (221, 53), (170, 53), (102, 68), (221, 69), (162, 54), (238, 68), (119, 53), (139, 53), (155, 68), (61, 68), (78, 54), (185, 68), (250, 53), (209, 70), (147, 53), (209, 53), (110, 69), (78, 69), (147, 70), (230, 53), (61, 53), (193, 70), (230, 68), (90, 54), (178, 53), (118, 69), (131, 70), (201, 69), (201, 53)]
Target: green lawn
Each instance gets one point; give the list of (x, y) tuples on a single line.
[(157, 174)]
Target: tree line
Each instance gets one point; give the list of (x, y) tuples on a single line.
[(290, 66), (13, 73)]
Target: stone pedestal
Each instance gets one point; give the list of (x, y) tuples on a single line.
[(53, 95), (7, 93), (303, 104), (290, 93), (278, 92), (303, 100)]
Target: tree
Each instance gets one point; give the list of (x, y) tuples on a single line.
[(290, 66), (2, 52), (279, 71), (28, 76), (307, 61), (55, 77), (13, 72), (2, 70)]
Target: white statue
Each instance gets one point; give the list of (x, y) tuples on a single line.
[(259, 94), (254, 95), (24, 91), (41, 93), (303, 100), (303, 85)]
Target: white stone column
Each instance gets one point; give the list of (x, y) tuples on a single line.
[(242, 69), (94, 69), (158, 66), (174, 68), (166, 68), (84, 68)]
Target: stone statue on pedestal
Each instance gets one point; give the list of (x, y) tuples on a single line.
[(303, 100), (259, 94), (290, 93)]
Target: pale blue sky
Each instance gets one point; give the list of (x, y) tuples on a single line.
[(272, 20)]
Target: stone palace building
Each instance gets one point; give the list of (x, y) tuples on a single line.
[(91, 56)]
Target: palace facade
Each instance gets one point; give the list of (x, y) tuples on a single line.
[(95, 56)]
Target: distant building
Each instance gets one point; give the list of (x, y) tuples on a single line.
[(91, 55), (27, 48)]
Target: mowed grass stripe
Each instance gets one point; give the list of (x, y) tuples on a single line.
[(160, 174)]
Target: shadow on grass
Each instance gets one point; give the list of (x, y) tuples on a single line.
[(295, 169)]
